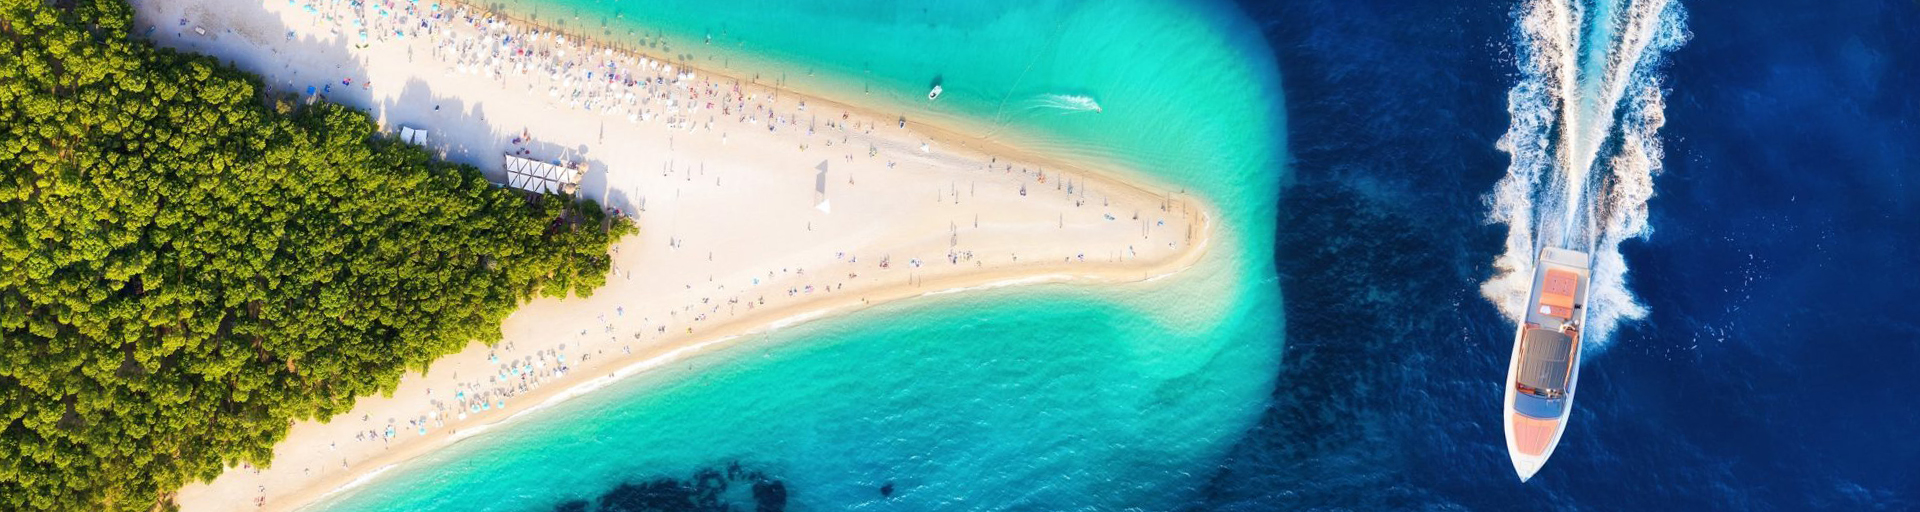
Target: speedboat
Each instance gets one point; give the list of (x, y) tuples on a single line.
[(1546, 359), (933, 94)]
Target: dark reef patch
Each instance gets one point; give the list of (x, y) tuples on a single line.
[(706, 490)]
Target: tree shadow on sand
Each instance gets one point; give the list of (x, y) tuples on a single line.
[(458, 131)]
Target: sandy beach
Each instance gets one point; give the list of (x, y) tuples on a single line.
[(758, 209)]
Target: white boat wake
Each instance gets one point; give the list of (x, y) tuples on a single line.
[(1584, 143), (1065, 103)]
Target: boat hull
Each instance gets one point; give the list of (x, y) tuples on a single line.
[(1532, 438)]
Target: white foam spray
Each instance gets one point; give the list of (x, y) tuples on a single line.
[(1065, 103), (1584, 143)]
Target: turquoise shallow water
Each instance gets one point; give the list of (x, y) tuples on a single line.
[(1039, 398)]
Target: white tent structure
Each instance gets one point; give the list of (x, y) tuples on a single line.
[(537, 176), (413, 136), (820, 189)]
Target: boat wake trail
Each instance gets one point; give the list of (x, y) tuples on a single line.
[(1065, 103), (1584, 143)]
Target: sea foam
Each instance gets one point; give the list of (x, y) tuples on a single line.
[(1584, 143), (1066, 103)]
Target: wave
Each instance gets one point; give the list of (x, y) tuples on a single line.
[(1066, 103), (1584, 142)]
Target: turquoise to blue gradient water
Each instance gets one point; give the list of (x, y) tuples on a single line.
[(1038, 398)]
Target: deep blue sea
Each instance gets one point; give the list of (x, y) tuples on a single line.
[(1764, 344), (1778, 362)]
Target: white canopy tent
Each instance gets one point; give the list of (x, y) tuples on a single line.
[(820, 189), (537, 176), (413, 136)]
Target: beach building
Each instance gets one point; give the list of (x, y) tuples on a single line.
[(542, 177)]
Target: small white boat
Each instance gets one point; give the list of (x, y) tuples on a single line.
[(933, 94), (1545, 366)]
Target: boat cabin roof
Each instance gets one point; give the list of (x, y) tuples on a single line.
[(1544, 356)]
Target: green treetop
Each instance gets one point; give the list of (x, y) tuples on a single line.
[(185, 271)]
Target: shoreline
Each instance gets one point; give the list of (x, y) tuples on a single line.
[(1195, 243), (702, 345)]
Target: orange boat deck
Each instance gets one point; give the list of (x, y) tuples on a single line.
[(1531, 436), (1556, 293)]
